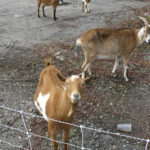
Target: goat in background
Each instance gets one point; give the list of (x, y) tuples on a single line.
[(53, 3), (111, 44)]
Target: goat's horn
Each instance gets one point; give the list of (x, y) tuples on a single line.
[(87, 79), (144, 20)]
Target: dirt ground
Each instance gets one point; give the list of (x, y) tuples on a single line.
[(26, 40)]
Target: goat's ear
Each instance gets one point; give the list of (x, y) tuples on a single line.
[(60, 77), (87, 79), (47, 61)]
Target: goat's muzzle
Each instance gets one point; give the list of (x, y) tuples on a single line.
[(75, 98)]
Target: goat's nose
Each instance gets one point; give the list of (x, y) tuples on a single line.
[(76, 95)]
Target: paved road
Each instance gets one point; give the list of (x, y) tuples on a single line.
[(20, 25)]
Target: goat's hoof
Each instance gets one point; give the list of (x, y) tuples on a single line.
[(127, 80), (55, 19), (39, 16), (44, 16), (113, 75), (88, 12), (90, 73)]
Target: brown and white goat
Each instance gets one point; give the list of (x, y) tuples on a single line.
[(111, 44), (85, 7), (44, 3), (57, 97)]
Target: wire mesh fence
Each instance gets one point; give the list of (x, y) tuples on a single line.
[(81, 127)]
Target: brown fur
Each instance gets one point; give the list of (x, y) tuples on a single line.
[(88, 1), (110, 44), (109, 41), (59, 105), (44, 3)]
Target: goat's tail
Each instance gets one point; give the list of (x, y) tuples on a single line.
[(47, 61), (78, 47)]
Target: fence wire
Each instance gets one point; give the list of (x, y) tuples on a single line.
[(81, 127)]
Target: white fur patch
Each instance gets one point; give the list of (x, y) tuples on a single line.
[(141, 33), (105, 57), (78, 43), (70, 112), (84, 2), (73, 77), (60, 2), (72, 98), (42, 100)]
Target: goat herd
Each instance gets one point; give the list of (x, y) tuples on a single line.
[(56, 96)]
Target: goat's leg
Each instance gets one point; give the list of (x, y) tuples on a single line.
[(115, 66), (86, 60), (54, 6), (54, 13), (84, 67), (125, 66), (61, 1), (85, 7), (38, 7), (65, 137), (88, 10), (89, 69), (54, 16), (43, 6), (82, 6), (52, 135), (87, 63), (84, 64)]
